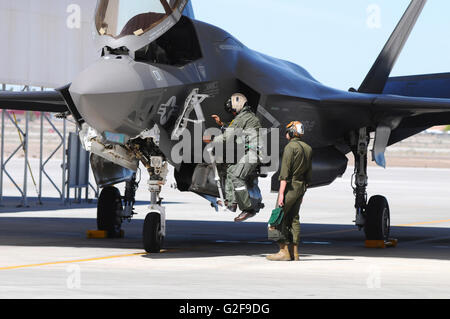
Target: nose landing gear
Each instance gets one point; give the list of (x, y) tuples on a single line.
[(155, 222)]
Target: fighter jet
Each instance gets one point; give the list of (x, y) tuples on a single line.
[(163, 74)]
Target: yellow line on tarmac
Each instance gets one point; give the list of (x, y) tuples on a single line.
[(425, 223), (354, 229), (71, 261)]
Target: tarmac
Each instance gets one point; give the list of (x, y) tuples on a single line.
[(45, 253)]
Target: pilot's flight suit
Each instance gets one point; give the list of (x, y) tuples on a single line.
[(296, 170), (229, 189), (238, 174)]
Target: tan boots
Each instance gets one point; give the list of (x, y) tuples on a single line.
[(282, 255), (286, 253)]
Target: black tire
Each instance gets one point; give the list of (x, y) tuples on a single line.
[(377, 225), (151, 233), (108, 206)]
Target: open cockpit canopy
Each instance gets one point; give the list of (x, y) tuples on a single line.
[(120, 18)]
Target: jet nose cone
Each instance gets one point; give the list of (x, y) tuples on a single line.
[(107, 92), (109, 75)]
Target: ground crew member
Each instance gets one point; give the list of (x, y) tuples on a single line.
[(239, 173), (295, 176)]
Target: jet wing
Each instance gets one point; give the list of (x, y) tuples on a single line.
[(42, 101), (391, 105), (394, 117), (424, 85), (411, 105)]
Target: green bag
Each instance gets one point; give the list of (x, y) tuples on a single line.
[(274, 230), (276, 217)]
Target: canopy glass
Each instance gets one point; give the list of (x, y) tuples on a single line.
[(119, 18)]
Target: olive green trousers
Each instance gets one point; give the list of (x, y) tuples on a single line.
[(289, 229), (236, 184)]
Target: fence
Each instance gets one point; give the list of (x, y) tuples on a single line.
[(36, 152)]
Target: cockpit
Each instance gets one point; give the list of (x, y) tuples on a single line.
[(120, 18)]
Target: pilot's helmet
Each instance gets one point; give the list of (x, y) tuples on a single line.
[(238, 102), (295, 129)]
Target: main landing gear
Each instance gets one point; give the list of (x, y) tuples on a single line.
[(372, 215)]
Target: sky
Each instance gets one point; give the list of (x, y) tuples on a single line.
[(336, 41)]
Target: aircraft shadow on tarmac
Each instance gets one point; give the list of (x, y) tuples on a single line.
[(203, 239)]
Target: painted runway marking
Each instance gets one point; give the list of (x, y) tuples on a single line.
[(71, 261), (260, 242), (331, 232), (425, 223), (355, 229), (244, 242), (228, 241), (316, 242)]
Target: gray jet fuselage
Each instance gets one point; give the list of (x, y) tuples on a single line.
[(120, 94)]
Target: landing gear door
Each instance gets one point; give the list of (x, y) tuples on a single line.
[(107, 173)]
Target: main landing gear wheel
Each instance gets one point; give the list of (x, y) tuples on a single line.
[(109, 207), (152, 235), (377, 224)]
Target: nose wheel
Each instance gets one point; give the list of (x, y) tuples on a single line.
[(154, 229), (153, 236)]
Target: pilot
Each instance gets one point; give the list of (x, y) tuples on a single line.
[(295, 176), (230, 200), (229, 109), (238, 174)]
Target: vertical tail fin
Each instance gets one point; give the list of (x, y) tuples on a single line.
[(376, 79)]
